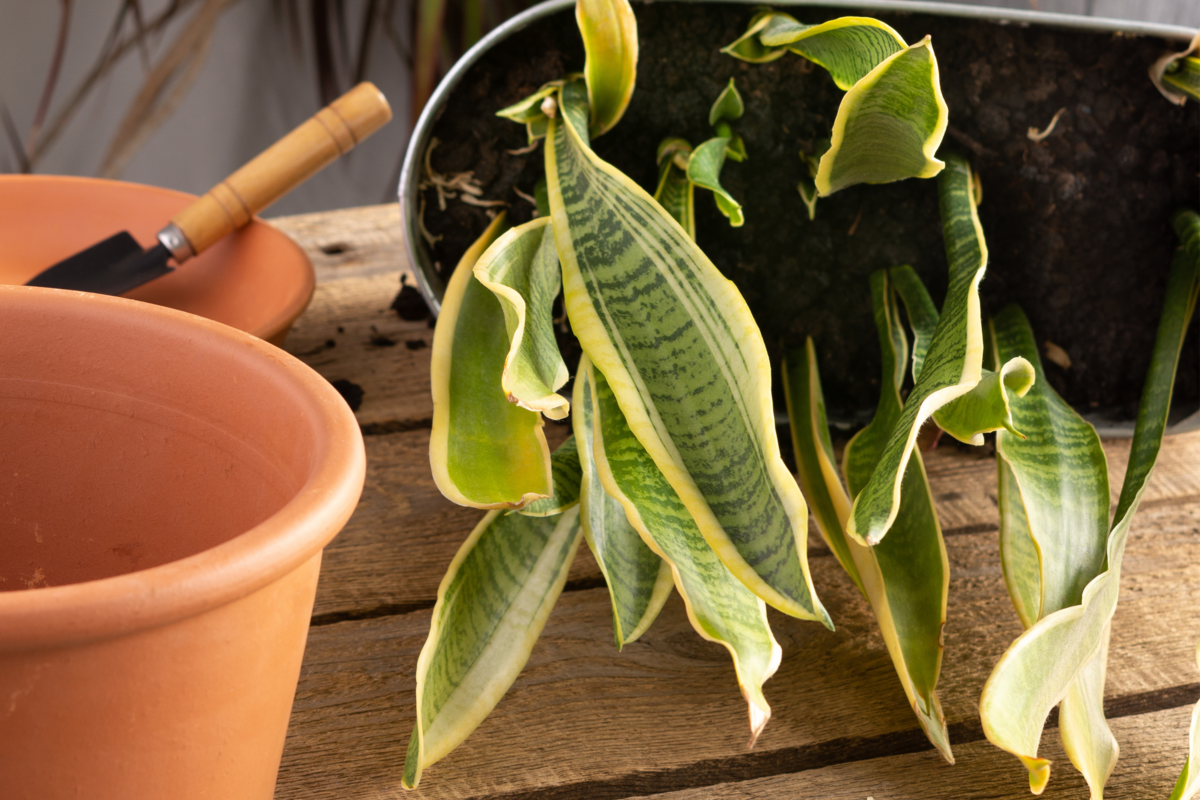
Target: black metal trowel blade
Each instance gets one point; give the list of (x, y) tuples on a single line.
[(113, 266)]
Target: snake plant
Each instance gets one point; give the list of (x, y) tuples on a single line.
[(1061, 555), (673, 476)]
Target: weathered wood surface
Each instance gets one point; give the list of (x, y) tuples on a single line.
[(665, 715)]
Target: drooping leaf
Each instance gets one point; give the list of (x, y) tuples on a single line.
[(848, 47), (1059, 474), (889, 125), (639, 582), (485, 452), (1188, 785), (564, 465), (1185, 77), (906, 577), (704, 170), (953, 363), (986, 407), (686, 362), (1053, 499), (748, 46), (719, 607), (491, 607), (1038, 670), (893, 117), (610, 40), (728, 105), (675, 193), (521, 270)]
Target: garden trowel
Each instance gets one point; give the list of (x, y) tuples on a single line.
[(119, 263)]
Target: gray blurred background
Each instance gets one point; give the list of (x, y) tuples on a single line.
[(182, 92)]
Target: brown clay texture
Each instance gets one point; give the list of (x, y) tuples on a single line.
[(1077, 224)]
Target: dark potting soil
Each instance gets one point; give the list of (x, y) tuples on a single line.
[(1077, 224)]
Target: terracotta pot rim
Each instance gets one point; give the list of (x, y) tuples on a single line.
[(136, 601), (274, 326)]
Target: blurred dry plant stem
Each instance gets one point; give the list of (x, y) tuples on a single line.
[(165, 85), (441, 31)]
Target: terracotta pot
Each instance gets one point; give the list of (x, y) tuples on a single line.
[(168, 486), (257, 280)]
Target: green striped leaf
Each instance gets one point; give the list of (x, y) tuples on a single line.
[(1185, 77), (1188, 785), (704, 170), (521, 269), (485, 452), (491, 607), (675, 193), (639, 582), (1038, 670), (906, 577), (610, 40), (719, 607), (953, 363), (848, 47), (727, 106), (1059, 478), (686, 361), (922, 313), (889, 125), (564, 465)]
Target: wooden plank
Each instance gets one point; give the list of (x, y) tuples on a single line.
[(1153, 749), (349, 242), (585, 721), (349, 332), (402, 536), (391, 555)]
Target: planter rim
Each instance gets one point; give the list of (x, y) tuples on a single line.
[(430, 284), (124, 604), (268, 329)]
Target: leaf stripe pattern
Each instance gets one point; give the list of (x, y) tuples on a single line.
[(1054, 523), (954, 362), (687, 363), (491, 607), (1038, 669), (719, 607), (849, 47), (639, 582), (564, 465)]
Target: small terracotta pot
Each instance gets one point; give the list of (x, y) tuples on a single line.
[(257, 279), (167, 485)]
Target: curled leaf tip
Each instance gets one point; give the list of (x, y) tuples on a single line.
[(609, 31), (759, 717)]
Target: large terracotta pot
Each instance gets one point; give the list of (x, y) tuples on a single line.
[(256, 279), (167, 485)]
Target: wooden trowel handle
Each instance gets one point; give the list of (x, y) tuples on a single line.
[(332, 132)]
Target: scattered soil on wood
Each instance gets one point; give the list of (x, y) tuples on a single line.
[(1077, 224)]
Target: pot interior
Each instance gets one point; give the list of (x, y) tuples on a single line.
[(126, 443)]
